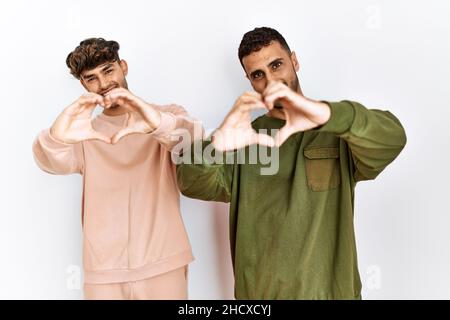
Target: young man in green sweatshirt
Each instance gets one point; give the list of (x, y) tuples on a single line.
[(292, 232)]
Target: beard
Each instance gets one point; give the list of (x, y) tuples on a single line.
[(294, 85)]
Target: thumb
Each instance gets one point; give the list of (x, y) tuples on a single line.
[(282, 136), (98, 136), (122, 133), (264, 139)]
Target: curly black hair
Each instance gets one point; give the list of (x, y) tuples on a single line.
[(258, 38), (91, 53)]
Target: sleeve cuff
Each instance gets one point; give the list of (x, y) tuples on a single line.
[(51, 141), (341, 118), (167, 124)]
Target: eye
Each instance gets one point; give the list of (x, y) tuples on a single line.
[(258, 74), (276, 65), (108, 71)]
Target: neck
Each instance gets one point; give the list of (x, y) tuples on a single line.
[(115, 111), (276, 113)]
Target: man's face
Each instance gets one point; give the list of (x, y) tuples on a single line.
[(271, 63), (105, 77)]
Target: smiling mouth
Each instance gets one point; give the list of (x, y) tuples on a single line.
[(106, 92)]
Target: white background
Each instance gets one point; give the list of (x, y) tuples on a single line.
[(385, 54)]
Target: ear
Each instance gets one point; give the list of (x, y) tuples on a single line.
[(295, 61), (124, 66)]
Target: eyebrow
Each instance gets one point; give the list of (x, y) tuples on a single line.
[(273, 62), (107, 66)]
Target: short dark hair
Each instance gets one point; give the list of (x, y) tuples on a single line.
[(91, 53), (258, 38)]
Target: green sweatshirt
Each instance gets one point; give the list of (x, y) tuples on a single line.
[(292, 233)]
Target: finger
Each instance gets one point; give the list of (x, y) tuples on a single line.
[(252, 94), (85, 111), (246, 99), (113, 97), (264, 139), (246, 107), (89, 96), (80, 105), (107, 102), (282, 136), (120, 91), (118, 101), (120, 94), (279, 94), (249, 96), (127, 104), (122, 133), (91, 99), (252, 99), (273, 86), (88, 109), (98, 136), (269, 100)]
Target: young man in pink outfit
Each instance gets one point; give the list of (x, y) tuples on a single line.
[(135, 244)]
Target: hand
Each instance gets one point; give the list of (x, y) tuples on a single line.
[(236, 130), (141, 116), (74, 123), (300, 112)]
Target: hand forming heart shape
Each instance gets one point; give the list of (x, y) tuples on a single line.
[(74, 124), (300, 113)]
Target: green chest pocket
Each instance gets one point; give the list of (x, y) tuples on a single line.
[(322, 168)]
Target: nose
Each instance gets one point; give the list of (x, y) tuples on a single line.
[(270, 78), (103, 84)]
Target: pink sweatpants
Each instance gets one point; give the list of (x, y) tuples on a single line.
[(171, 285)]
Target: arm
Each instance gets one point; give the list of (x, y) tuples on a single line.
[(58, 150), (200, 178), (167, 124), (207, 173), (375, 137), (56, 157), (176, 124)]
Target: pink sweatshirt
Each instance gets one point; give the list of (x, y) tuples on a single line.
[(132, 226)]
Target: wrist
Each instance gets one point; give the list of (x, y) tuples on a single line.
[(153, 120), (325, 113), (320, 112), (157, 119)]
